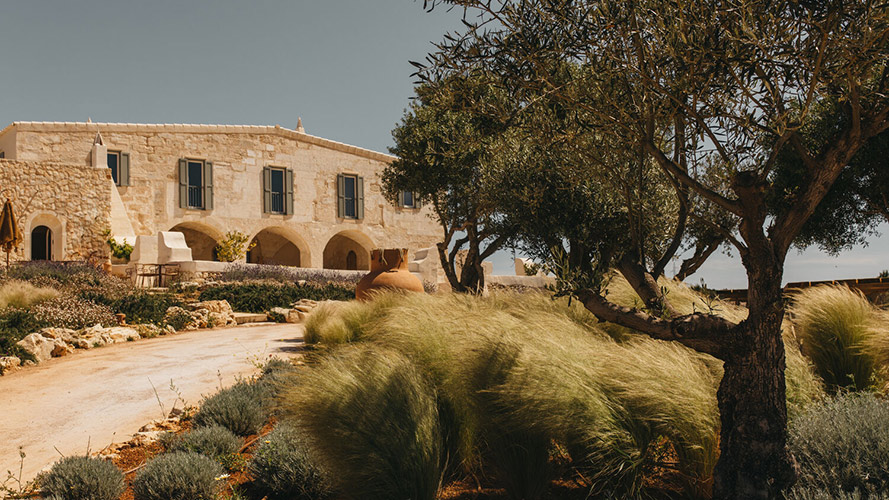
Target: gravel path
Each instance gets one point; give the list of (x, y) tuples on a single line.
[(96, 397)]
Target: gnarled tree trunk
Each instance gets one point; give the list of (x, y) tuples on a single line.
[(754, 462)]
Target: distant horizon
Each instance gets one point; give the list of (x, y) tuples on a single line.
[(341, 65)]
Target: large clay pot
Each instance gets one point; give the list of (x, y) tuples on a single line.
[(388, 270)]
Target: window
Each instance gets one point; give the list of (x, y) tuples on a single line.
[(408, 199), (195, 184), (277, 190), (2, 154), (350, 196), (119, 163)]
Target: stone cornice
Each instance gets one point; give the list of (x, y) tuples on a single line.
[(184, 128)]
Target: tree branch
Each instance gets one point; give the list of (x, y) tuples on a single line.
[(706, 333)]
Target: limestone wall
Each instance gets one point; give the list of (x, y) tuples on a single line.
[(74, 201), (239, 154)]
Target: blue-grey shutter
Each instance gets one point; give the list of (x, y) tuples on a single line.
[(288, 192), (208, 185), (359, 194), (123, 169), (340, 196), (266, 190), (183, 183)]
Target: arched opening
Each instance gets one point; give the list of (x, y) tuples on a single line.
[(279, 246), (41, 243), (352, 261), (45, 237), (201, 238), (348, 250)]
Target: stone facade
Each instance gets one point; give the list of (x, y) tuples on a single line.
[(72, 201), (313, 236)]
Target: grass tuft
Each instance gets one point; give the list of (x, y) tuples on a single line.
[(836, 328), (22, 295), (370, 420)]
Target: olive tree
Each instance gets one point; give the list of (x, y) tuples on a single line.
[(739, 81)]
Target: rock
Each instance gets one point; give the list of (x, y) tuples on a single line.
[(9, 364), (82, 343), (303, 308), (64, 334), (216, 306), (60, 348), (38, 346), (145, 438), (122, 334)]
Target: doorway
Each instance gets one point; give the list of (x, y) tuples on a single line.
[(41, 243)]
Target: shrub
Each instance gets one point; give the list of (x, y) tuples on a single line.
[(83, 478), (178, 476), (68, 311), (233, 246), (15, 324), (238, 408), (842, 445), (835, 326), (261, 297), (281, 467), (371, 421), (61, 272), (214, 441), (516, 373), (22, 295), (144, 307), (178, 318)]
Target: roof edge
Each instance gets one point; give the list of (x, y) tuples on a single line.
[(200, 129)]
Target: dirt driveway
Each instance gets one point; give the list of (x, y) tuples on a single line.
[(93, 398)]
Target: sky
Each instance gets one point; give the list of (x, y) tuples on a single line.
[(341, 65)]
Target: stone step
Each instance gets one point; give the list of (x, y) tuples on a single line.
[(244, 318)]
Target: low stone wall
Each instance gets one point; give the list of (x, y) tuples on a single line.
[(73, 201)]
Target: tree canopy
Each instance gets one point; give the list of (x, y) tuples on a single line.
[(714, 96)]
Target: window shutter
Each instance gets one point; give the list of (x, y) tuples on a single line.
[(340, 196), (359, 194), (417, 203), (400, 198), (266, 190), (288, 192), (208, 186), (123, 169), (183, 183)]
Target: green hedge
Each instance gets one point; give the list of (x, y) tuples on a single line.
[(261, 297)]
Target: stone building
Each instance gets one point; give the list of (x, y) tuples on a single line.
[(303, 200)]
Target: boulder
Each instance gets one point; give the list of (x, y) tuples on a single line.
[(215, 306), (60, 348), (38, 346), (290, 315), (214, 313), (9, 363), (122, 334), (64, 334), (82, 343)]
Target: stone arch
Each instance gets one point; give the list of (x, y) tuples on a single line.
[(54, 231), (281, 246), (201, 238), (336, 252)]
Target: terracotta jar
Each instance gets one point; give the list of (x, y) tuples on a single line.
[(388, 269)]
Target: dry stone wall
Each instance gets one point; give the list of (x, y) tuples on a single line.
[(74, 201)]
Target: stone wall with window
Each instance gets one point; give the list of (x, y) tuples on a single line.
[(239, 187), (68, 205)]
